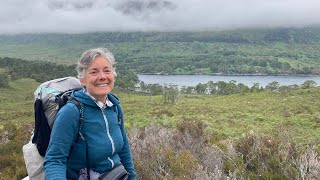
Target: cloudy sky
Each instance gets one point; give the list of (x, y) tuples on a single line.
[(78, 16)]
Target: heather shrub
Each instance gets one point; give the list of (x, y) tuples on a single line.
[(12, 138), (184, 152), (180, 153), (309, 164), (191, 136), (187, 152), (261, 156), (156, 156), (277, 157)]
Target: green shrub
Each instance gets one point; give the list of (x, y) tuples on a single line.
[(4, 80), (12, 164)]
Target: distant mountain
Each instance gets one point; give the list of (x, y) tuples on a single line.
[(286, 35), (245, 51)]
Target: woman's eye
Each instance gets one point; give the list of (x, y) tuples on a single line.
[(93, 72), (107, 70)]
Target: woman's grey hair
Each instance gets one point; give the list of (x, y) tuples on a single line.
[(90, 55)]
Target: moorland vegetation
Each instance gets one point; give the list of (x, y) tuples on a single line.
[(259, 134)]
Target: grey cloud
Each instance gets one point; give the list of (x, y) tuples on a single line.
[(137, 7), (76, 16), (58, 5)]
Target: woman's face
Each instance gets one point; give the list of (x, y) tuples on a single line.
[(99, 78)]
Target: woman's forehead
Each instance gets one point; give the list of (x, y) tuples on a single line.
[(99, 62)]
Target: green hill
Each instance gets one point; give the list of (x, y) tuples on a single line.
[(245, 51)]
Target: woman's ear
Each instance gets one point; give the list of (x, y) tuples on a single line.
[(82, 82)]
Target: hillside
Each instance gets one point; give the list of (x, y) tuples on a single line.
[(246, 51)]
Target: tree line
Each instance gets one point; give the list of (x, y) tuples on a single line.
[(224, 62), (38, 70), (170, 92), (44, 71), (287, 35)]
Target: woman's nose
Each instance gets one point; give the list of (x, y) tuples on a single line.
[(102, 76)]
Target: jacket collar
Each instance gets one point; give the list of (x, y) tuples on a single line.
[(99, 103), (84, 98)]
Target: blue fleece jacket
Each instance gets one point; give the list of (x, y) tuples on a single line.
[(107, 141)]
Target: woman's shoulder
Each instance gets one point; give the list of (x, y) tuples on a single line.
[(113, 98), (68, 115)]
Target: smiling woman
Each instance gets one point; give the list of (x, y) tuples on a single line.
[(99, 79), (103, 144)]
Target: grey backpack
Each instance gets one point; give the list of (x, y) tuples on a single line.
[(50, 96), (51, 92)]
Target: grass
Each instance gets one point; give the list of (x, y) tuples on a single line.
[(17, 102)]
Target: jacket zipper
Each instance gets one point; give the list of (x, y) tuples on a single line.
[(109, 136)]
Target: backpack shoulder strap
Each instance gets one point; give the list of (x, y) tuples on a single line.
[(81, 119), (75, 102), (80, 124)]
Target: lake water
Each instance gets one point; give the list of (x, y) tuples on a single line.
[(193, 80)]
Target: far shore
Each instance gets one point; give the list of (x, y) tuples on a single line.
[(221, 74)]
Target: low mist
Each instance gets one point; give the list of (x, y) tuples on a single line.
[(79, 16)]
